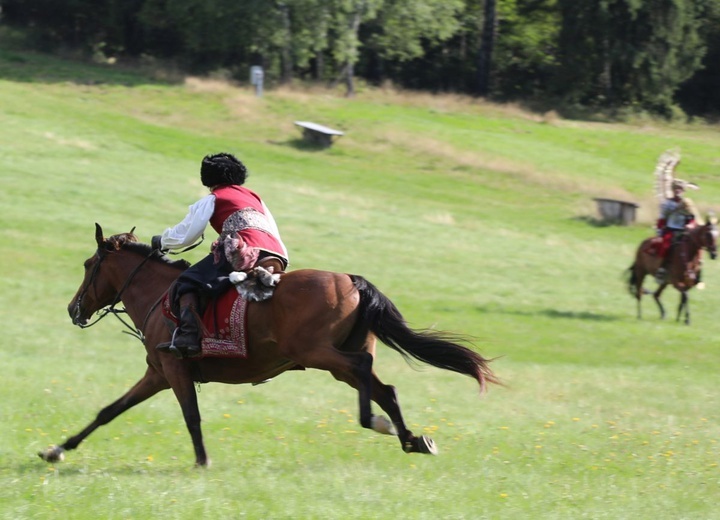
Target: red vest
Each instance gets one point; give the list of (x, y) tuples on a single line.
[(238, 209)]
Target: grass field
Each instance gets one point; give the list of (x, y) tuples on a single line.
[(474, 218)]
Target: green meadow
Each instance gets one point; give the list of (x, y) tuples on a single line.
[(472, 217)]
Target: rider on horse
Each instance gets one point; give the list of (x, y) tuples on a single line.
[(677, 214), (248, 237)]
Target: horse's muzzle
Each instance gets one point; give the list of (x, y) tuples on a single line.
[(713, 255), (75, 312)]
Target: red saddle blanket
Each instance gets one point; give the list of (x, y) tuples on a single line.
[(654, 245), (224, 325)]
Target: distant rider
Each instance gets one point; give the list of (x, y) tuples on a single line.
[(677, 214), (248, 237)]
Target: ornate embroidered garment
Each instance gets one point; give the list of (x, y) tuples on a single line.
[(240, 211)]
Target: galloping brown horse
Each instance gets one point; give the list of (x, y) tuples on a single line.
[(315, 319), (683, 266)]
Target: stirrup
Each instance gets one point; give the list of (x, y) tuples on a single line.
[(185, 353), (180, 353), (168, 346)]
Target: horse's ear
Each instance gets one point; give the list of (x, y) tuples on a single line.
[(98, 234), (132, 231)]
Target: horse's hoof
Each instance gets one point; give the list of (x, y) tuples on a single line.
[(52, 454), (421, 444), (427, 445)]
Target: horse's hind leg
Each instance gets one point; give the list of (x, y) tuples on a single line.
[(684, 305), (364, 380), (149, 385), (386, 397), (355, 369), (656, 296)]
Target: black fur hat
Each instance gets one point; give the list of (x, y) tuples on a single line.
[(222, 168)]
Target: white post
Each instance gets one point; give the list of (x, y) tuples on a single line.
[(256, 78)]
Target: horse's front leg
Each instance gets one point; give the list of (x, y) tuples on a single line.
[(656, 296), (178, 374), (149, 385)]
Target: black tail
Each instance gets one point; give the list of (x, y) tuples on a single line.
[(434, 348), (632, 281)]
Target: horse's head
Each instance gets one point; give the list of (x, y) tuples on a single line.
[(98, 289), (710, 235)]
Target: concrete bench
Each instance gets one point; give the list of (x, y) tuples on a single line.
[(318, 134), (616, 211)]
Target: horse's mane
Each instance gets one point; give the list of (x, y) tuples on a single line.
[(129, 242)]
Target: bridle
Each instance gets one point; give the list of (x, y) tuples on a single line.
[(711, 235), (109, 309), (705, 238)]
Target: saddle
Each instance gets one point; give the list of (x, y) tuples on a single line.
[(224, 319), (653, 246)]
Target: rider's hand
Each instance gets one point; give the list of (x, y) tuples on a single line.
[(156, 243)]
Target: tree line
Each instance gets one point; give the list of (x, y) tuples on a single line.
[(657, 56)]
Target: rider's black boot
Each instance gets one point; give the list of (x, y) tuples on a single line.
[(187, 335), (660, 274)]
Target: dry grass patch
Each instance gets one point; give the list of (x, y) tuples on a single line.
[(527, 171), (207, 85), (241, 101), (307, 93), (245, 107), (442, 103), (75, 143), (448, 103), (440, 218)]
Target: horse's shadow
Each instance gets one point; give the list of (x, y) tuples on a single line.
[(596, 222), (550, 313), (34, 465), (301, 144), (553, 313)]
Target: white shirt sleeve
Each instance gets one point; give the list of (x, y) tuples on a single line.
[(192, 226)]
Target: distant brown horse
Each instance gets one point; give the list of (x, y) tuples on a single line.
[(683, 266), (315, 319)]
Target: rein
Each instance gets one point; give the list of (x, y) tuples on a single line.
[(704, 239), (188, 248), (691, 243), (110, 309)]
